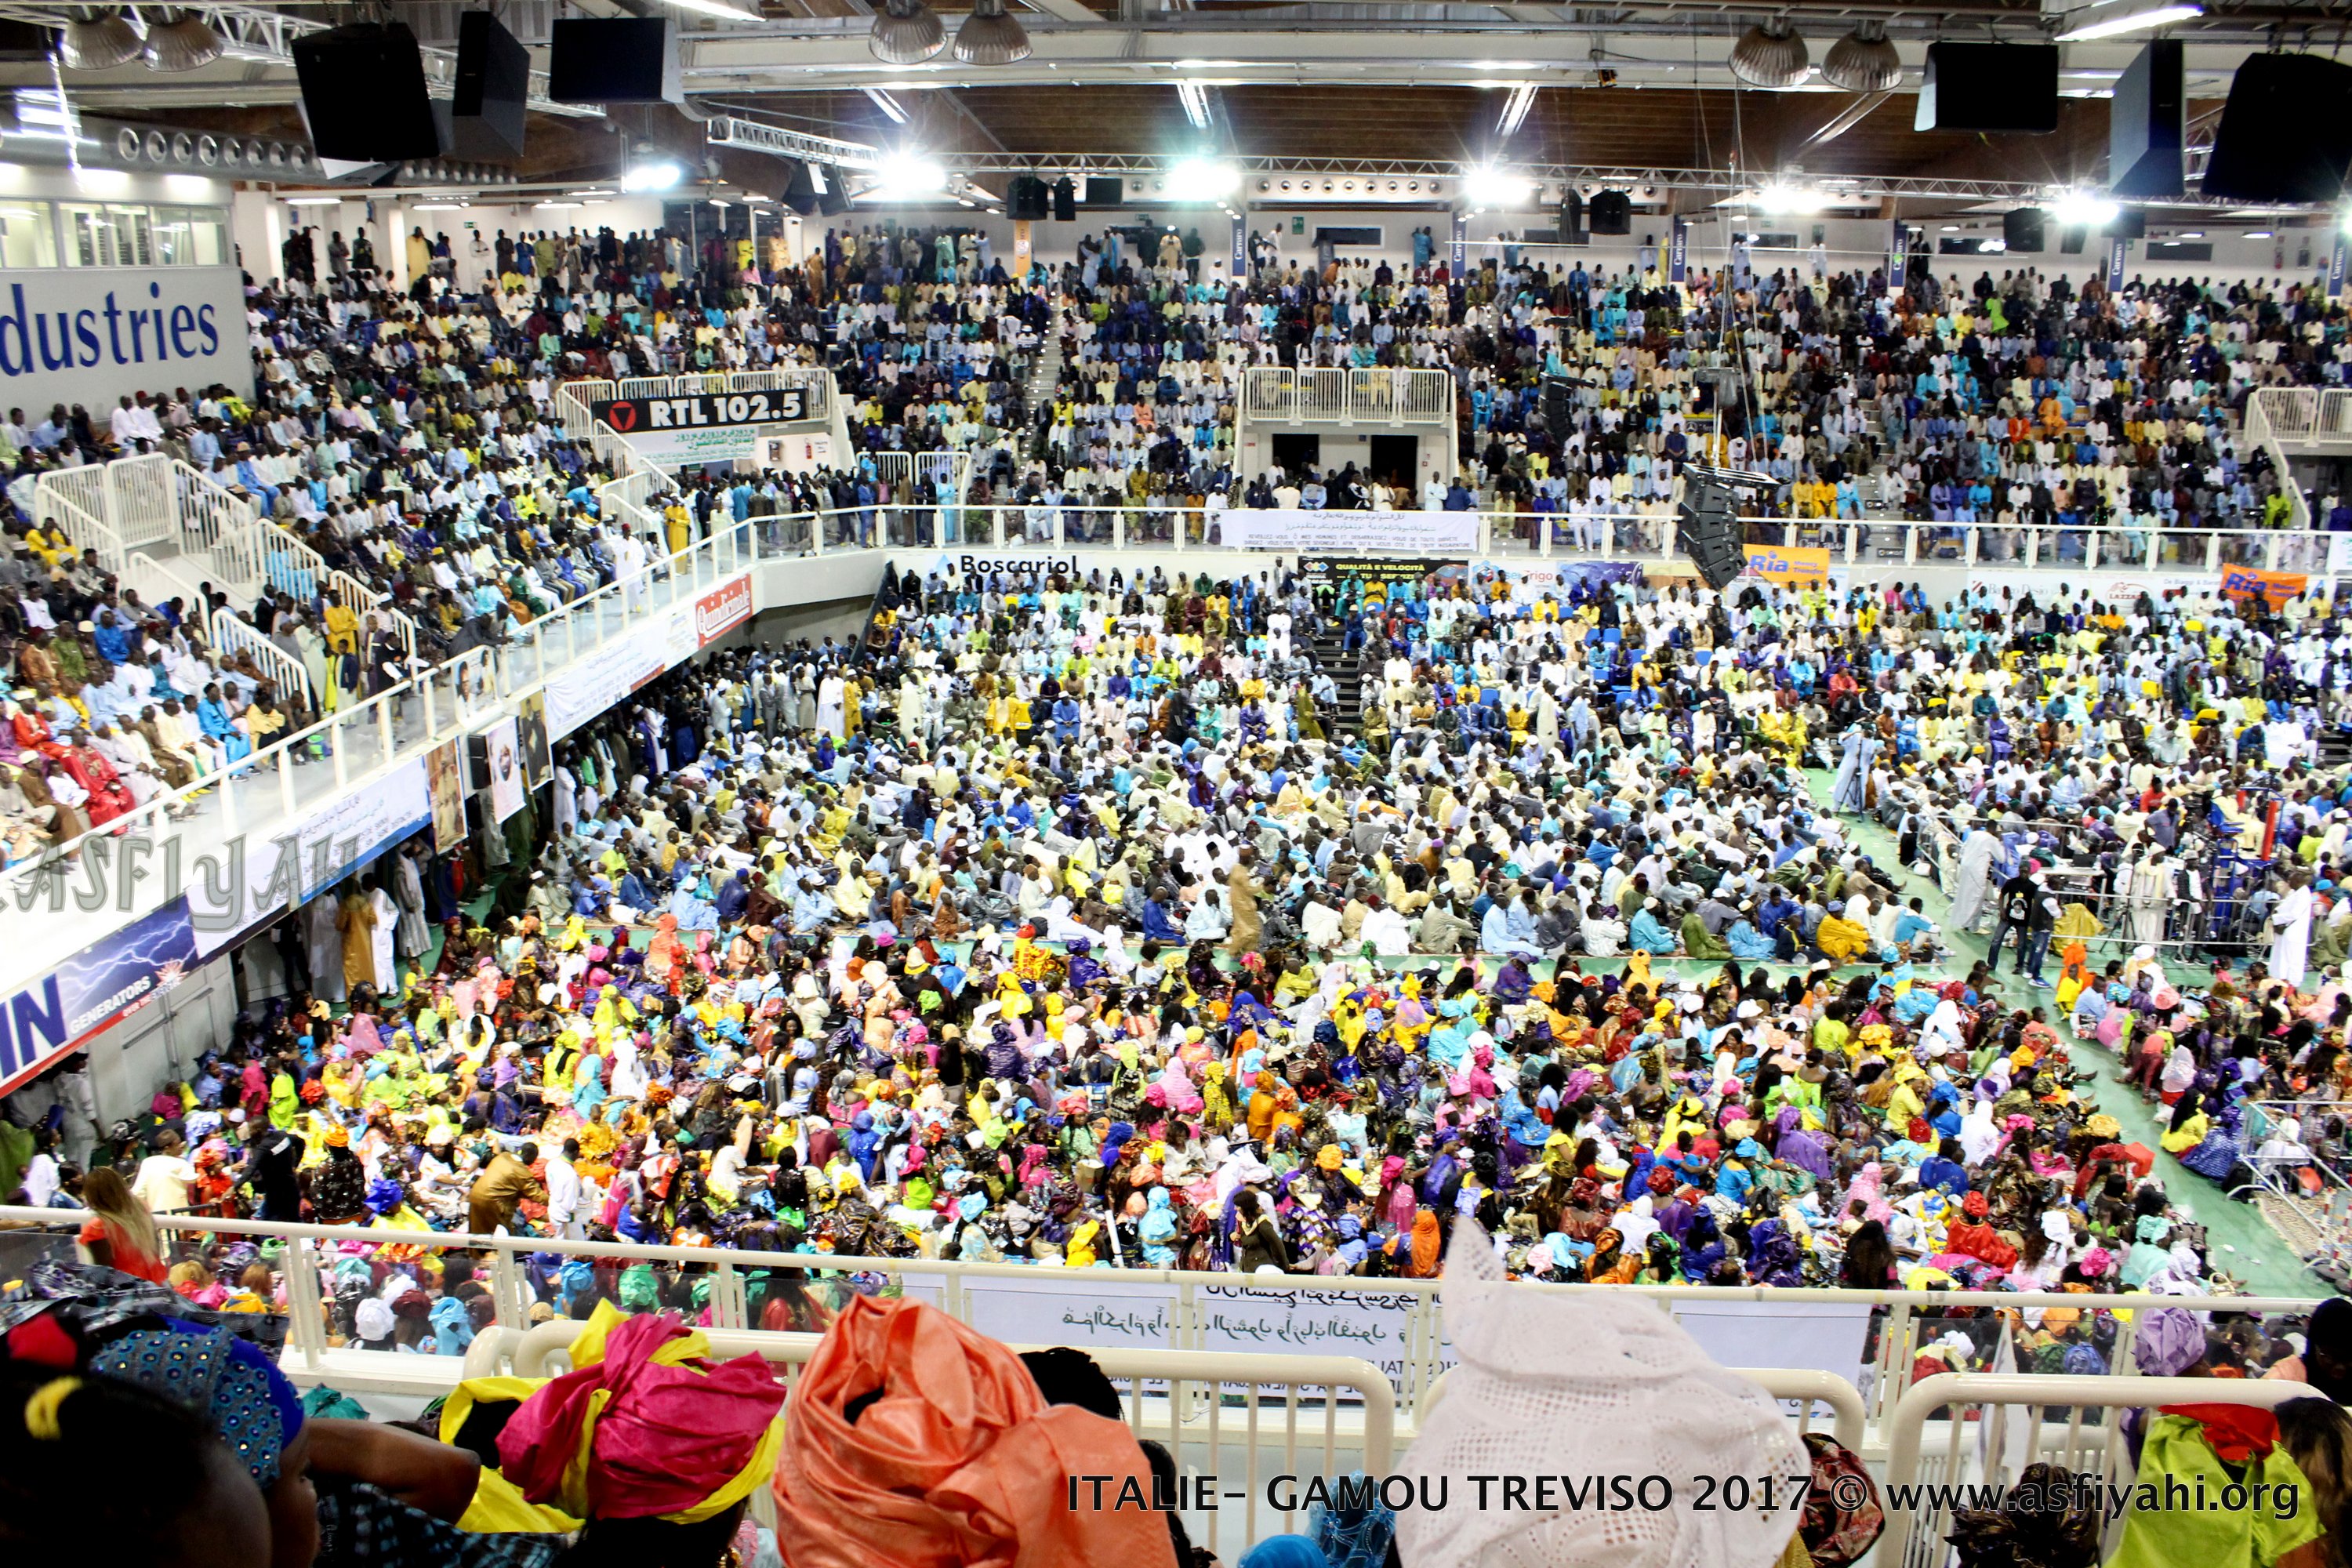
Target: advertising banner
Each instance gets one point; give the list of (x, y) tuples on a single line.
[(722, 609), (503, 748), (712, 427), (89, 335), (2335, 266), (106, 982), (1421, 532), (244, 885), (444, 782), (1373, 1325), (1796, 564), (2118, 252), (620, 666), (1898, 253), (2275, 587), (1355, 577), (1678, 253)]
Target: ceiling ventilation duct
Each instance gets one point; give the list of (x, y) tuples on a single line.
[(99, 41), (1863, 61), (989, 37), (905, 32), (1770, 56)]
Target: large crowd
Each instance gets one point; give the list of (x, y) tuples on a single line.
[(1266, 919), (1105, 920)]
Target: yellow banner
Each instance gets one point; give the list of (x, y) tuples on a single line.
[(1792, 563), (1021, 249)]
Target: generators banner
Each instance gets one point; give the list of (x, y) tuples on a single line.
[(1417, 532), (100, 985)]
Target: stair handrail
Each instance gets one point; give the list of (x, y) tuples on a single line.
[(217, 518)]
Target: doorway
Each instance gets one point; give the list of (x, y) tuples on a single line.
[(1396, 462), (1298, 455)]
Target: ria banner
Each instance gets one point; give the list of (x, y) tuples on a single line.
[(714, 428), (1788, 563), (2275, 587), (106, 982)]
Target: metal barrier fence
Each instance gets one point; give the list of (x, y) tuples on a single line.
[(1872, 1339), (1350, 396), (406, 721), (2097, 554), (1270, 1415), (2011, 1434)]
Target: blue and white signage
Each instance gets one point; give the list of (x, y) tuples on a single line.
[(92, 334), (100, 985)]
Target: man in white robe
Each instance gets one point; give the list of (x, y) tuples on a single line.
[(2291, 932), (1972, 898)]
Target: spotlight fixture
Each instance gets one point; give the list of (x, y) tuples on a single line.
[(1515, 109), (905, 32), (96, 40), (1863, 61), (990, 36), (182, 43), (1195, 99), (1771, 55), (2134, 22)]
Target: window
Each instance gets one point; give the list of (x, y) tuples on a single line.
[(110, 235), (190, 237), (119, 234), (27, 236)]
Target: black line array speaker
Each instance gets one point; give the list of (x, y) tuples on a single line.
[(1026, 197), (800, 188), (1990, 87), (1571, 219), (1612, 213), (1710, 533), (2286, 132), (2071, 240), (2024, 229), (832, 195), (1066, 201), (614, 59), (2146, 122), (363, 93), (1103, 192), (1555, 408), (488, 107), (2129, 223)]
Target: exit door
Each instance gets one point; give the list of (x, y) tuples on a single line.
[(1396, 460)]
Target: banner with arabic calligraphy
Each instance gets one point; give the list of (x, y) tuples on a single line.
[(1374, 1325)]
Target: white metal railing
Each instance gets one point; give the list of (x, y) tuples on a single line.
[(233, 635), (1375, 395), (261, 555), (2100, 555), (1219, 1412), (453, 696), (1399, 1317), (140, 501), (2261, 428), (73, 502), (2307, 415), (2011, 1433)]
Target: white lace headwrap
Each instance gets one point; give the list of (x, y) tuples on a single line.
[(1595, 1383)]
